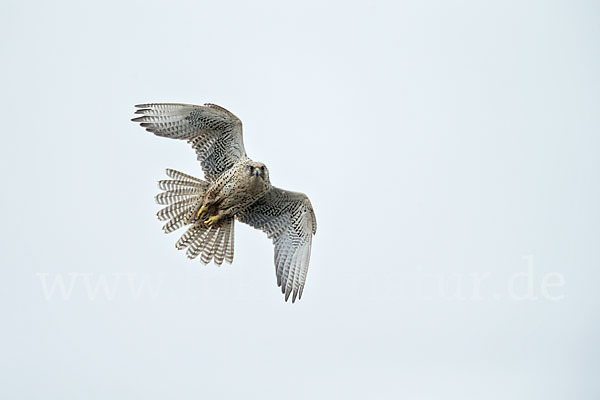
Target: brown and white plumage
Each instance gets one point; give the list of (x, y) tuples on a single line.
[(214, 132), (288, 219), (235, 187)]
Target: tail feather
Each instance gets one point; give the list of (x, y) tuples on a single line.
[(175, 209), (173, 196), (216, 244), (208, 244), (182, 194), (195, 246), (177, 175), (218, 248), (189, 235), (179, 184), (229, 244), (180, 220)]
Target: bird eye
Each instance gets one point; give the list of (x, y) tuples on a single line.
[(262, 168), (251, 170)]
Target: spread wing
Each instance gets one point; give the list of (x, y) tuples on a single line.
[(288, 219), (214, 132)]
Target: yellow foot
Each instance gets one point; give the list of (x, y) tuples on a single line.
[(201, 212), (212, 220)]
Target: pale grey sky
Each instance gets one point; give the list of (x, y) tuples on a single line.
[(472, 274)]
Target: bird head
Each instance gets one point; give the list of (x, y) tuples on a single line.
[(258, 170)]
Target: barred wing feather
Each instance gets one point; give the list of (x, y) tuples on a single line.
[(214, 133), (287, 218)]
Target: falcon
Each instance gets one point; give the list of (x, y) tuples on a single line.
[(234, 187)]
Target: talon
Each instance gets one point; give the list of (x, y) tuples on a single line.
[(211, 220), (201, 212)]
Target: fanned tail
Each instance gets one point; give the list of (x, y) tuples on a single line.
[(209, 242), (182, 194)]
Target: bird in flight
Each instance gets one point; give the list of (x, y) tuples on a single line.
[(235, 187)]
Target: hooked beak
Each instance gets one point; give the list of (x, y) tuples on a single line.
[(257, 171)]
